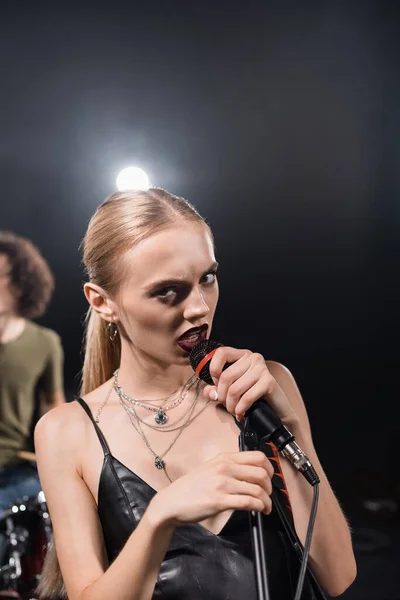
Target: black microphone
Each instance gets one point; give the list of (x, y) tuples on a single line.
[(262, 419)]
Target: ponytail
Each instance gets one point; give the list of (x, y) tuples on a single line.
[(102, 358), (51, 585), (102, 355)]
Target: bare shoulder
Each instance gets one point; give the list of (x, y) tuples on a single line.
[(284, 378), (280, 372), (56, 421), (58, 432), (63, 428), (287, 383)]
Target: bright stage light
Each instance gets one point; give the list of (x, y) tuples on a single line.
[(132, 178)]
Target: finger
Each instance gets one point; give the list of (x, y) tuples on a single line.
[(254, 458), (237, 486), (257, 391), (255, 475), (244, 502), (223, 355), (238, 388), (230, 376), (260, 461), (210, 391)]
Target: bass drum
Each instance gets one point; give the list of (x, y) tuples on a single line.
[(27, 528)]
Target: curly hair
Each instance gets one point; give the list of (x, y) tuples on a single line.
[(30, 274)]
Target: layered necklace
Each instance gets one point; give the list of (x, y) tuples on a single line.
[(160, 411), (179, 425)]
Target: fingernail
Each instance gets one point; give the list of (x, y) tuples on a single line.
[(239, 418), (214, 395)]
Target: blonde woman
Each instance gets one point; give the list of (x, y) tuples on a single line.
[(147, 491)]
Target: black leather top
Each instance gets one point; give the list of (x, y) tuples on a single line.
[(198, 565)]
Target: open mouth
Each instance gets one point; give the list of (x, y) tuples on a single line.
[(192, 337)]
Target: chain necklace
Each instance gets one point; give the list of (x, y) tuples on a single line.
[(159, 463), (97, 417), (160, 416), (173, 426), (190, 418), (103, 405)]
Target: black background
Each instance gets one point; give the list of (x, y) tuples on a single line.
[(280, 121)]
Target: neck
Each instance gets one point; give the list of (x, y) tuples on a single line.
[(143, 377), (11, 327)]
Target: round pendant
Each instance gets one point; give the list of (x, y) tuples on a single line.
[(160, 417), (158, 462)]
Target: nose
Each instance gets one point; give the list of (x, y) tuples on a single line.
[(196, 307)]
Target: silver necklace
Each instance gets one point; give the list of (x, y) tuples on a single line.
[(102, 406), (159, 463), (160, 416), (97, 417), (172, 426)]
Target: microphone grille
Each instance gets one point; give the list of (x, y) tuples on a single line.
[(199, 352)]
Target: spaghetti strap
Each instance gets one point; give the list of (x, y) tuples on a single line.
[(101, 437)]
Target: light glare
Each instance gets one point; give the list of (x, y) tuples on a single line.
[(132, 178)]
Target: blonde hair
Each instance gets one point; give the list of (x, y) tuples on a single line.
[(120, 222)]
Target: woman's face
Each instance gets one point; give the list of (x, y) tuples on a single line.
[(167, 300)]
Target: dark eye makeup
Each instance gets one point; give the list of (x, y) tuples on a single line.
[(180, 289)]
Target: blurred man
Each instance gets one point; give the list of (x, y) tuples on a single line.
[(31, 363)]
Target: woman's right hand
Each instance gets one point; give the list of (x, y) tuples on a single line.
[(230, 481)]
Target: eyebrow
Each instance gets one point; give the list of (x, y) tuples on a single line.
[(174, 280)]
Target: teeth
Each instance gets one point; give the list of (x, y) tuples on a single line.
[(192, 338)]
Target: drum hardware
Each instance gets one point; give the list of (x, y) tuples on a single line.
[(27, 528)]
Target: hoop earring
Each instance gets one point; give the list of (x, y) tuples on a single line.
[(112, 331)]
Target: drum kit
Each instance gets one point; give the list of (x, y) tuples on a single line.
[(27, 531)]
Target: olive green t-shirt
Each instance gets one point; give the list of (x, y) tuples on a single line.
[(31, 363)]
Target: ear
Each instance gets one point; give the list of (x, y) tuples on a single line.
[(100, 301)]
